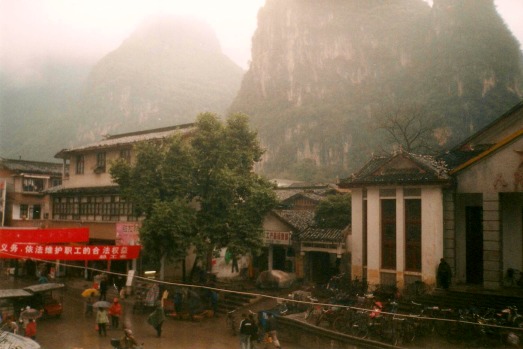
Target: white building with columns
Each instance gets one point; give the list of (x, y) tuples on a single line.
[(466, 206)]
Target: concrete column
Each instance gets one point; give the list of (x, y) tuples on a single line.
[(357, 233), (400, 238), (373, 236), (449, 229), (492, 267), (431, 232)]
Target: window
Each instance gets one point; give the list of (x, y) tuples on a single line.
[(24, 210), (37, 210), (100, 163), (56, 182), (388, 234), (80, 164), (125, 154), (33, 185), (413, 235)]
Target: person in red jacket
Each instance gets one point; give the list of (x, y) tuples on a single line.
[(30, 329), (115, 311)]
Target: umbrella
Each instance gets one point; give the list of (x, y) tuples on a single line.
[(90, 292), (101, 304), (30, 313)]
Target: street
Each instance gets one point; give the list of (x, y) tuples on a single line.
[(73, 330)]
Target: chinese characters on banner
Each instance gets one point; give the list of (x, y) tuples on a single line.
[(52, 252), (277, 237)]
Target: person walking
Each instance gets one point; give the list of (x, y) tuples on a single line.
[(89, 305), (103, 287), (115, 311), (102, 320), (156, 319), (272, 330), (128, 341), (246, 329), (30, 329), (254, 330), (444, 274)]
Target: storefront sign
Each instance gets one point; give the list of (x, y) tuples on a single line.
[(127, 233), (3, 191), (52, 235), (278, 237), (61, 252)]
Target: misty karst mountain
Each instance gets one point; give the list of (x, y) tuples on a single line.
[(168, 71), (322, 75), (323, 72)]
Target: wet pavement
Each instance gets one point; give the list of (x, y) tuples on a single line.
[(73, 330)]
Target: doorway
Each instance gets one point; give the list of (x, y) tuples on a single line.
[(474, 243)]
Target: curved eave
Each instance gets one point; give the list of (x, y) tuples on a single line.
[(360, 184)]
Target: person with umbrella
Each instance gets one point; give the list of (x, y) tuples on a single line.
[(102, 320), (156, 319)]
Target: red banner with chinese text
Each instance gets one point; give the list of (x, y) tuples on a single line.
[(66, 252), (51, 235)]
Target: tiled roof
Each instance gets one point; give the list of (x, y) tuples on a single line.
[(35, 167), (303, 222), (315, 193), (322, 234), (298, 219), (113, 189), (424, 169), (457, 157), (130, 138)]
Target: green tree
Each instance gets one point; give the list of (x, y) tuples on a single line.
[(158, 184), (334, 212), (169, 232), (233, 199), (201, 190)]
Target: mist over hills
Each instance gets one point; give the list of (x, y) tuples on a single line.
[(323, 73), (168, 71)]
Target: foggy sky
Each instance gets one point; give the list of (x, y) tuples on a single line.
[(31, 30)]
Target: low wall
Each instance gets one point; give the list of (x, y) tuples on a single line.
[(314, 337)]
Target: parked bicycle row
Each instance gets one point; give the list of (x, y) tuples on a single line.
[(399, 322)]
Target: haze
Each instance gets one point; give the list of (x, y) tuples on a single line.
[(33, 30)]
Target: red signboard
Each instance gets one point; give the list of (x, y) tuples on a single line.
[(61, 252), (52, 235)]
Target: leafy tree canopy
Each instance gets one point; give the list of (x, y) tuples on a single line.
[(334, 212), (200, 190)]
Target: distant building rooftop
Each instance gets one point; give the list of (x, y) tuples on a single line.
[(33, 167), (129, 138)]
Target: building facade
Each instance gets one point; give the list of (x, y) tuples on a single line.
[(397, 219), (88, 196), (294, 244), (483, 220), (466, 206), (23, 185)]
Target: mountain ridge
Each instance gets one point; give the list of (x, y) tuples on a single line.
[(321, 75)]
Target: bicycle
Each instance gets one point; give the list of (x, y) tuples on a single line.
[(230, 322)]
